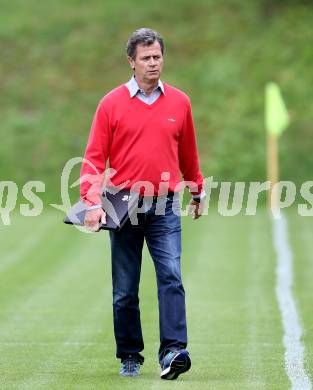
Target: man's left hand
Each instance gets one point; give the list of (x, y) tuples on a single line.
[(195, 209)]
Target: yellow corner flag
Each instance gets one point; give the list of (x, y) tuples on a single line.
[(276, 114)]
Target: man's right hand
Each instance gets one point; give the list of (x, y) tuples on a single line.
[(94, 218)]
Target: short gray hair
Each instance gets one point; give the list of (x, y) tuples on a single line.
[(145, 37)]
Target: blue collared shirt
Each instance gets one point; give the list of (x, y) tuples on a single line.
[(135, 90)]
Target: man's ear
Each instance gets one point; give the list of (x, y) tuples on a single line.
[(131, 62)]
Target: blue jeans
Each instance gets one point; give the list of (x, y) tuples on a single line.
[(163, 237)]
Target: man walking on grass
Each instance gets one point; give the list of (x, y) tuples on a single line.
[(145, 129)]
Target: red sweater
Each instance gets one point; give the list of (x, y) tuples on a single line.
[(141, 142)]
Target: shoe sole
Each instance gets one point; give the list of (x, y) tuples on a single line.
[(129, 375), (179, 364)]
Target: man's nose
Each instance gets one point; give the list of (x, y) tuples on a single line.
[(152, 61)]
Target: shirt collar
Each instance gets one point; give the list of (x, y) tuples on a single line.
[(133, 87)]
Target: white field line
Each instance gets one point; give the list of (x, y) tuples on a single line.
[(294, 349)]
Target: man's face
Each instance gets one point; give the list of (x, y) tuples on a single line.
[(148, 62)]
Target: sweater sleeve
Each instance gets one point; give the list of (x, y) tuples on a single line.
[(96, 155), (188, 154)]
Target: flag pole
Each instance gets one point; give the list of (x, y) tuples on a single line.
[(272, 168)]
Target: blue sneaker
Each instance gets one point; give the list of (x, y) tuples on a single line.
[(130, 366), (175, 363)]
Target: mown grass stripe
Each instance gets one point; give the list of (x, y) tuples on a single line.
[(216, 291), (53, 368), (25, 244), (264, 356), (36, 266), (255, 272)]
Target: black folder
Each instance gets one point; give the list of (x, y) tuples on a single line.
[(117, 205)]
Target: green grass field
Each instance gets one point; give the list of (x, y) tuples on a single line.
[(56, 327)]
